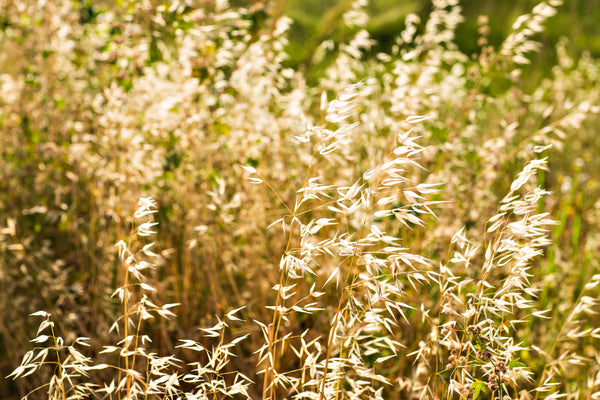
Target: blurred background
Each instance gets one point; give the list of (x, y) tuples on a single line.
[(315, 21)]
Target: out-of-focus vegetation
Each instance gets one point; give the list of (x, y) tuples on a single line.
[(357, 200), (315, 21)]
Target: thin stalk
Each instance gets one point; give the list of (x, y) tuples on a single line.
[(274, 327), (341, 299), (125, 330), (558, 339), (137, 336), (338, 309), (60, 367)]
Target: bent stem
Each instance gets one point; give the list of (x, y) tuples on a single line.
[(273, 329)]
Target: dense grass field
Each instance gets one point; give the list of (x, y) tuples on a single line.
[(199, 202)]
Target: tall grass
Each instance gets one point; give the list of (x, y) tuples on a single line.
[(185, 217)]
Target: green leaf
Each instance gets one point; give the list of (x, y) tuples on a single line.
[(515, 363), (478, 386)]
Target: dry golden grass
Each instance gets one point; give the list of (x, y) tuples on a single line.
[(185, 217)]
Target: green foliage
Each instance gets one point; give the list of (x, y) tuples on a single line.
[(478, 387)]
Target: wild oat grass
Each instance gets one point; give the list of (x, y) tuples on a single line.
[(185, 217)]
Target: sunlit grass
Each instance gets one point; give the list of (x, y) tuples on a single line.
[(185, 216)]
